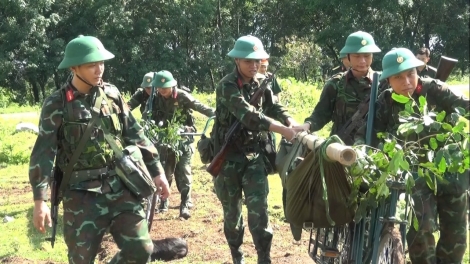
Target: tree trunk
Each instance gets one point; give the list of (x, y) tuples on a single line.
[(35, 88)]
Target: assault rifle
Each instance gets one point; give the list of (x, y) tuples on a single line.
[(57, 176), (216, 164), (356, 121), (152, 200), (444, 68), (359, 117)]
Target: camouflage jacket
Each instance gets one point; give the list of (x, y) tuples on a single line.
[(140, 97), (438, 96), (339, 100), (338, 69), (163, 108), (64, 118), (232, 104), (428, 71)]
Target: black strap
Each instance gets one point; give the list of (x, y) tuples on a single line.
[(95, 111)]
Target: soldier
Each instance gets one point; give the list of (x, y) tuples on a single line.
[(263, 73), (95, 199), (343, 93), (450, 203), (170, 99), (425, 70), (142, 94), (244, 168)]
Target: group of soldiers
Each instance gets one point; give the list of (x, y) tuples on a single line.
[(96, 200), (167, 101)]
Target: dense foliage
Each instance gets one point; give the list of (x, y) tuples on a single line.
[(191, 38)]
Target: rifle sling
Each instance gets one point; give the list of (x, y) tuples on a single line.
[(86, 136)]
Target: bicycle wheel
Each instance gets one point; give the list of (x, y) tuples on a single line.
[(390, 249), (332, 245)]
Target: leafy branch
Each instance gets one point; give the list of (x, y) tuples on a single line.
[(426, 145), (166, 136)]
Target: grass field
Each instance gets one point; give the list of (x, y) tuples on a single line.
[(21, 243)]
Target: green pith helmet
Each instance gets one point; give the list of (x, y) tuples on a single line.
[(397, 61), (147, 80), (360, 42), (84, 49), (342, 55), (248, 47), (163, 79)]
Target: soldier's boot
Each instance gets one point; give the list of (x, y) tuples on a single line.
[(184, 211), (163, 208), (184, 208), (190, 204), (237, 255), (264, 253)]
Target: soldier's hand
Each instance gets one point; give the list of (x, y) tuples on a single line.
[(41, 215), (290, 133), (162, 183)]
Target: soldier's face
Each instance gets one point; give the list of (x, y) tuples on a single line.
[(405, 82), (90, 72), (360, 61), (148, 90), (248, 68), (263, 68), (165, 92), (423, 58)]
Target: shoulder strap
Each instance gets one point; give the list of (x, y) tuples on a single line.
[(108, 136), (81, 144)]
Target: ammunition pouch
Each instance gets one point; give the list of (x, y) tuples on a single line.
[(132, 171), (205, 147)]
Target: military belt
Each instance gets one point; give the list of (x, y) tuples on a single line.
[(92, 174)]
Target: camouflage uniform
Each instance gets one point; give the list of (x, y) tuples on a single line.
[(339, 100), (450, 203), (343, 93), (244, 168), (140, 97), (163, 110), (95, 198), (428, 71)]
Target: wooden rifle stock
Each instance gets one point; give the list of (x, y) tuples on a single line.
[(445, 67), (216, 164)]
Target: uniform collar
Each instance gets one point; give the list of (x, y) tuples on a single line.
[(253, 80), (369, 75)]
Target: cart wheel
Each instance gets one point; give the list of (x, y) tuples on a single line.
[(390, 248)]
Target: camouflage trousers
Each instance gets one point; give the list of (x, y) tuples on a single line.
[(251, 178), (179, 170), (449, 205), (87, 216)]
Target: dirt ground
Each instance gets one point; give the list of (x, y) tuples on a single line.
[(203, 233)]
